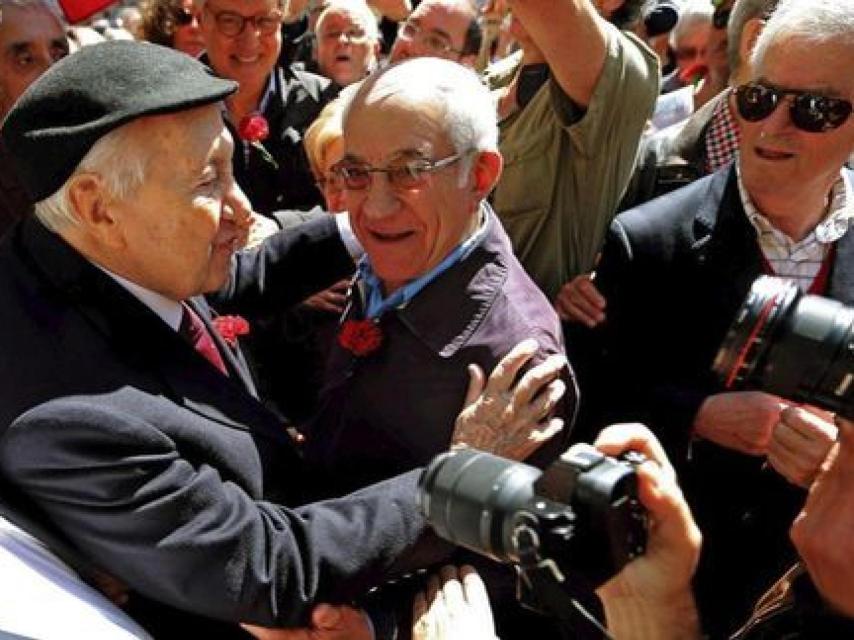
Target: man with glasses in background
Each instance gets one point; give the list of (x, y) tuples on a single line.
[(675, 270), (447, 29), (243, 40)]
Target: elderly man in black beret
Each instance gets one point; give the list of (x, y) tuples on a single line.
[(129, 427)]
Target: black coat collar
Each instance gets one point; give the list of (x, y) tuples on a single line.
[(142, 340)]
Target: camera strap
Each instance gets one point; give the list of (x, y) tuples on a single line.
[(543, 587)]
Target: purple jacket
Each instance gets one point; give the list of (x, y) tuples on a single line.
[(395, 408)]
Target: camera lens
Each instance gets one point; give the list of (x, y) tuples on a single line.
[(797, 346), (471, 498)]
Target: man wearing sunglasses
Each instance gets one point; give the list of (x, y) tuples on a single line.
[(675, 270), (243, 40)]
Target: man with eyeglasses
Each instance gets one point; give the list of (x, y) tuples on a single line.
[(675, 270), (243, 40), (447, 29), (32, 38), (438, 288)]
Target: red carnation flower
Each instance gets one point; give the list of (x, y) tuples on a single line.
[(360, 337), (230, 328), (253, 128), (694, 74)]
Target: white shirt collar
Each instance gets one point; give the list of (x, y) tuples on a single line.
[(168, 310), (840, 213)]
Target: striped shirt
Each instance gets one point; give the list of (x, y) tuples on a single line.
[(801, 261)]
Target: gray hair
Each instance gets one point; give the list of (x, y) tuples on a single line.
[(467, 108), (695, 13), (815, 21), (48, 5), (743, 11), (118, 158), (360, 9)]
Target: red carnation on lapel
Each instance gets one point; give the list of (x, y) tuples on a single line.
[(230, 328), (253, 128), (360, 337)]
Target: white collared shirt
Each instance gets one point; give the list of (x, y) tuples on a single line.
[(801, 261), (166, 309)]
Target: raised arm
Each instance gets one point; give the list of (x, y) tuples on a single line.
[(573, 38)]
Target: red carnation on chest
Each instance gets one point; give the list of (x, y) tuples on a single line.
[(230, 328), (253, 128), (360, 337)]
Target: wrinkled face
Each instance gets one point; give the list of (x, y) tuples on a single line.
[(176, 241), (436, 28), (188, 34), (778, 159), (249, 56), (405, 232), (345, 52), (31, 39)]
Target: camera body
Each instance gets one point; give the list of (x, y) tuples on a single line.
[(580, 518), (797, 346)]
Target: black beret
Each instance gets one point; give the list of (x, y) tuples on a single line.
[(88, 94)]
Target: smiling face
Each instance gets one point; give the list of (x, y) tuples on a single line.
[(346, 49), (405, 232), (172, 237), (779, 162), (248, 57), (31, 39)]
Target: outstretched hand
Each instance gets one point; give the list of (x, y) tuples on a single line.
[(510, 420)]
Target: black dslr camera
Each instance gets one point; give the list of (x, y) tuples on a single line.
[(797, 346), (571, 527)]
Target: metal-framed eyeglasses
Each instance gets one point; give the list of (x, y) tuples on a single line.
[(353, 35), (231, 24), (405, 176), (436, 42)]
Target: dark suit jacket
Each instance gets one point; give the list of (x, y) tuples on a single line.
[(156, 466), (14, 201), (395, 409), (674, 272), (298, 98)]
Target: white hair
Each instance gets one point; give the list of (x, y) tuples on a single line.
[(120, 160), (466, 106), (695, 14), (359, 9), (814, 21)]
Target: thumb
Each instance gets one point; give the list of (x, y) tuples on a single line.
[(477, 381), (325, 616)]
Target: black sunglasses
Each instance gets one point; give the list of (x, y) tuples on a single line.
[(182, 16), (720, 18), (808, 111)]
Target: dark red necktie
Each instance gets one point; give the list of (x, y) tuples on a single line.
[(195, 332)]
